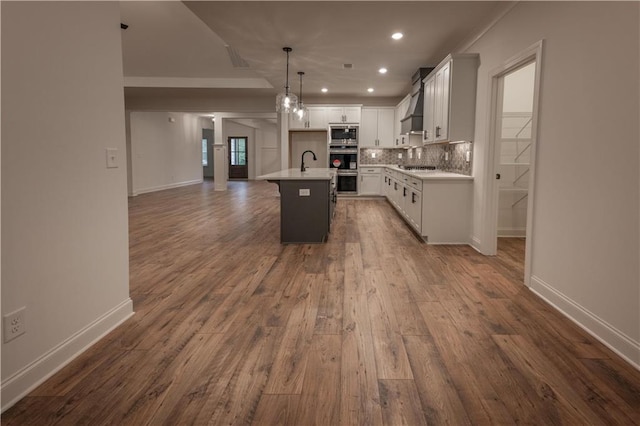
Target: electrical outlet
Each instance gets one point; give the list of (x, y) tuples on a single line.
[(14, 324), (112, 158)]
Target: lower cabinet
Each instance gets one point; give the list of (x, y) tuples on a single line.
[(437, 209), (386, 184), (370, 181), (446, 211), (413, 208)]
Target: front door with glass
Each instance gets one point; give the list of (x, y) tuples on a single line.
[(238, 160)]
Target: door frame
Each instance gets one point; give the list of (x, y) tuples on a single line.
[(531, 54)]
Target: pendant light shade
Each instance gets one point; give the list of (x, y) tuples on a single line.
[(301, 112), (286, 102)]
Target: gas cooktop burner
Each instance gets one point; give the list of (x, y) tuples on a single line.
[(417, 167)]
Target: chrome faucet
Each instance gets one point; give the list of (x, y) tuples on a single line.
[(302, 167)]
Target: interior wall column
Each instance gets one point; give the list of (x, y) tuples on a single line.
[(283, 135), (220, 155)]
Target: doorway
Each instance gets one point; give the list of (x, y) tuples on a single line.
[(238, 157), (514, 119), (207, 153)]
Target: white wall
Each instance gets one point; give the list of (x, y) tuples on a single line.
[(165, 154), (269, 151), (585, 220), (317, 142), (64, 214)]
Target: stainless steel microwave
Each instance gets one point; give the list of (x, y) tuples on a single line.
[(344, 135)]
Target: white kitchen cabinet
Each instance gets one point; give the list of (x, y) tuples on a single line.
[(396, 194), (343, 114), (438, 209), (413, 208), (386, 184), (370, 181), (428, 118), (441, 107), (450, 100), (295, 124), (316, 119), (376, 128), (400, 113), (446, 211)]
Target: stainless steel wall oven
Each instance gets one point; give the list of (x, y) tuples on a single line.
[(347, 182), (345, 159)]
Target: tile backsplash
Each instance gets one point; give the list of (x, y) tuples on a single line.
[(429, 155)]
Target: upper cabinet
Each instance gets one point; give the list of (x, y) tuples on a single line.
[(450, 99), (343, 114), (428, 118), (316, 119), (377, 128), (400, 113)]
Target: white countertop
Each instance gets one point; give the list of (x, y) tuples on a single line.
[(423, 174), (296, 174)]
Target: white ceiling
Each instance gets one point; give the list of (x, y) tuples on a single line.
[(183, 44)]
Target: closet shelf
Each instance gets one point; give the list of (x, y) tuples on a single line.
[(512, 189)]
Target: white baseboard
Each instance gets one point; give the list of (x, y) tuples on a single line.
[(611, 337), (31, 376), (512, 232), (476, 244), (167, 186)]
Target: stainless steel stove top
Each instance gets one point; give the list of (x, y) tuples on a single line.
[(416, 167)]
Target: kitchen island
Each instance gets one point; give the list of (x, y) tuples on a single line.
[(307, 202)]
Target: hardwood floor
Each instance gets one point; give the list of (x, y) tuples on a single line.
[(373, 327)]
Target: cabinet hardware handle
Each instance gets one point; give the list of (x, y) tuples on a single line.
[(497, 175), (413, 197), (404, 192), (437, 131)]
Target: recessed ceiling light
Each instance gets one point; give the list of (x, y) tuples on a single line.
[(396, 36), (382, 70), (324, 90), (370, 89)]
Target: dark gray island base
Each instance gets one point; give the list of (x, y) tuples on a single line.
[(307, 201)]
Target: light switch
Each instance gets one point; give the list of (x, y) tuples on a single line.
[(468, 156), (112, 158), (305, 192)]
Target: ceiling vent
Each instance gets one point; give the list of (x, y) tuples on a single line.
[(236, 60)]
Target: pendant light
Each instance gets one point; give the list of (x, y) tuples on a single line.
[(286, 102), (301, 112)]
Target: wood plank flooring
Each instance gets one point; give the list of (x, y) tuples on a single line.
[(371, 328)]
